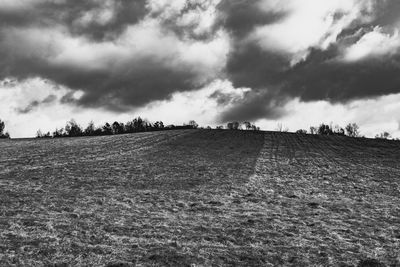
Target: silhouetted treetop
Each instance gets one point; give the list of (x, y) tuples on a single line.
[(2, 128)]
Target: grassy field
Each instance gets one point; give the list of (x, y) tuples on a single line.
[(199, 198)]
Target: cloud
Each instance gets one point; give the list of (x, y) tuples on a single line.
[(34, 104), (323, 76), (375, 43), (311, 50), (253, 106), (120, 55), (188, 19), (241, 17), (143, 63), (385, 13), (94, 19)]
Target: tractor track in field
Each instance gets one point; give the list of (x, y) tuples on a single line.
[(321, 187)]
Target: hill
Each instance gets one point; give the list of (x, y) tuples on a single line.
[(200, 198)]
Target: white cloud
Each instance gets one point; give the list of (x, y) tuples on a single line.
[(146, 39), (309, 23), (373, 43), (46, 117), (102, 15), (197, 105)]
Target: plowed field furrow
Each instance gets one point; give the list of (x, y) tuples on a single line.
[(330, 198), (201, 198)]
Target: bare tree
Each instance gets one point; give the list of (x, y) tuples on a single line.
[(193, 124), (313, 130), (281, 128), (2, 127), (352, 130)]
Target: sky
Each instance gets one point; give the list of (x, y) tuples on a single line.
[(295, 62)]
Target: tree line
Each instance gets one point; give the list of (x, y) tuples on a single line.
[(238, 126), (73, 129), (351, 129)]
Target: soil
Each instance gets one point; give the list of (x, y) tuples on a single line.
[(200, 198)]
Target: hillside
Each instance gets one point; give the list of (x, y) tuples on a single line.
[(200, 197)]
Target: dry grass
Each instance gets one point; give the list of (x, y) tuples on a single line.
[(200, 198)]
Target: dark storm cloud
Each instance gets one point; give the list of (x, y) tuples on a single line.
[(386, 12), (131, 80), (240, 17), (35, 104), (69, 98), (254, 105), (250, 66), (321, 76), (131, 85), (72, 13), (222, 98)]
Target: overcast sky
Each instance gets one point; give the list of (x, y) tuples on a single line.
[(296, 62)]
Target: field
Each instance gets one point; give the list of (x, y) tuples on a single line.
[(200, 198)]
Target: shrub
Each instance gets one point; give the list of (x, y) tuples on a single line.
[(301, 131), (247, 124), (338, 130), (324, 129), (39, 134), (58, 133), (193, 124), (384, 135), (107, 130), (158, 125), (233, 125)]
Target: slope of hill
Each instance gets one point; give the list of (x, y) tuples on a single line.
[(200, 198)]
